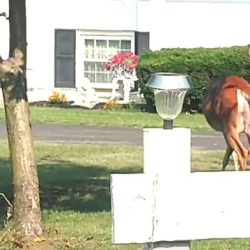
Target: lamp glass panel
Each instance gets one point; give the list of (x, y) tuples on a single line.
[(169, 103)]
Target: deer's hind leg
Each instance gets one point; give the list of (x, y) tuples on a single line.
[(236, 161), (230, 152), (247, 132), (233, 140), (244, 113)]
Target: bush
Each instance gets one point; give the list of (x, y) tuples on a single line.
[(203, 65)]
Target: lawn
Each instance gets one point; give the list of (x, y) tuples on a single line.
[(75, 193), (123, 118)]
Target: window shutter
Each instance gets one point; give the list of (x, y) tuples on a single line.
[(141, 42), (65, 58)]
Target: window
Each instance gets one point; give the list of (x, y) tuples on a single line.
[(80, 54), (96, 49), (97, 52)]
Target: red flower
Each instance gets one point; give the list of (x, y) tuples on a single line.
[(126, 61)]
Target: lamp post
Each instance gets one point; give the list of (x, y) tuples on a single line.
[(169, 91), (145, 216), (167, 149)]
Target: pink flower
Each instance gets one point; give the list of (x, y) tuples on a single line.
[(123, 63)]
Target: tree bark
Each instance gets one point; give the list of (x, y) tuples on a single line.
[(26, 210)]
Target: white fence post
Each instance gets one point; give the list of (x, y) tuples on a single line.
[(167, 151), (167, 154)]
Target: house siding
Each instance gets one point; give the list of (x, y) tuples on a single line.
[(170, 24), (197, 24), (4, 30), (44, 17)]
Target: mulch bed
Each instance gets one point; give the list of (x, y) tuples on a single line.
[(66, 105), (98, 106)]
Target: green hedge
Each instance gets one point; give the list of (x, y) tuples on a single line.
[(202, 64)]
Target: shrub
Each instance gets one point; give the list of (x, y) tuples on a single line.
[(202, 64)]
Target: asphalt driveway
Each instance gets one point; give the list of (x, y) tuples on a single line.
[(110, 135)]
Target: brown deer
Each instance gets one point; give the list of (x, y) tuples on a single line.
[(226, 109)]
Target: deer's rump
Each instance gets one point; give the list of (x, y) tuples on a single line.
[(225, 102), (226, 109)]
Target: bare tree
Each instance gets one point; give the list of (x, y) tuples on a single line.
[(26, 222)]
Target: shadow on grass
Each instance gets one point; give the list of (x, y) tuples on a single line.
[(67, 186)]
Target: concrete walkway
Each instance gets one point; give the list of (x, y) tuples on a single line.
[(110, 135)]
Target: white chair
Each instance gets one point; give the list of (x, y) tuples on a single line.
[(86, 94)]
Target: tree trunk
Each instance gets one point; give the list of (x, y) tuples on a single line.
[(26, 210)]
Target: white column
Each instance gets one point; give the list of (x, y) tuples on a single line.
[(167, 151)]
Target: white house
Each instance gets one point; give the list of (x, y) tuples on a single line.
[(69, 41)]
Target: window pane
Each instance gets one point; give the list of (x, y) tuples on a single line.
[(89, 43), (125, 45), (91, 76), (113, 47), (101, 48), (114, 44), (100, 67), (110, 77), (89, 48), (89, 66), (101, 77), (101, 43)]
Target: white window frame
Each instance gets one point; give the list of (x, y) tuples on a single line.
[(81, 35)]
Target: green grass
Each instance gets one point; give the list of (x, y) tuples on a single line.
[(75, 193), (124, 118)]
